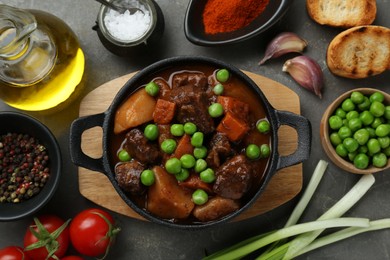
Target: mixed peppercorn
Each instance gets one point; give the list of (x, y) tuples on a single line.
[(24, 167)]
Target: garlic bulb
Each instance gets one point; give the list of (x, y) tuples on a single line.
[(283, 43), (307, 72)]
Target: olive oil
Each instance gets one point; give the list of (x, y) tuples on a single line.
[(47, 77)]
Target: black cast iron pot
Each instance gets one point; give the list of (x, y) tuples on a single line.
[(106, 121)]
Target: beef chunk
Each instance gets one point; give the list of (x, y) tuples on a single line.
[(233, 178), (140, 148), (215, 208), (219, 150), (128, 177), (164, 88), (192, 106), (196, 79)]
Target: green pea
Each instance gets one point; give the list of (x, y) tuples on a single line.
[(387, 112), (177, 130), (200, 165), (197, 139), (384, 142), (147, 177), (189, 128), (218, 89), (335, 139), (124, 156), (200, 152), (345, 122), (363, 149), (151, 132), (386, 151), (341, 150), (365, 105), (335, 122), (168, 146), (379, 160), (207, 176), (366, 117), (252, 151), (223, 75), (377, 109), (355, 124), (215, 110), (377, 121), (340, 112), (152, 89), (382, 130), (344, 132), (361, 136), (263, 126), (377, 96), (373, 146), (347, 105), (357, 97), (361, 161), (187, 161), (350, 144), (371, 132), (173, 165), (200, 197), (265, 151), (351, 156), (352, 114), (182, 175)]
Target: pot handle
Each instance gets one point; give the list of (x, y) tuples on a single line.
[(77, 128), (303, 127)]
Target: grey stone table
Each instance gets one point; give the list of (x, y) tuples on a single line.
[(144, 240)]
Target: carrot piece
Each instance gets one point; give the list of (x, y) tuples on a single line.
[(184, 146), (194, 182), (236, 107), (164, 111), (232, 127)]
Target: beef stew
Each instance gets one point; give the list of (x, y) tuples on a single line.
[(224, 171)]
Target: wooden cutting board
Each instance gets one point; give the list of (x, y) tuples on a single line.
[(284, 186)]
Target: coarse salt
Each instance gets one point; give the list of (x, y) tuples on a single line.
[(126, 26)]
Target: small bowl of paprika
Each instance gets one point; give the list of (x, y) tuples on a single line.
[(30, 165), (219, 22)]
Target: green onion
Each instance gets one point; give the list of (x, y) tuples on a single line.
[(303, 202), (345, 233), (342, 206), (291, 231), (306, 233)]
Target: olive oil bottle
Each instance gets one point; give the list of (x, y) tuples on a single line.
[(41, 62)]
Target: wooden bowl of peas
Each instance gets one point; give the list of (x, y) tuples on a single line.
[(355, 131)]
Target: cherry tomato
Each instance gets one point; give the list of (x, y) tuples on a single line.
[(72, 257), (51, 229), (13, 253), (92, 232)]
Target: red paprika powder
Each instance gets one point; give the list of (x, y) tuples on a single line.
[(220, 16)]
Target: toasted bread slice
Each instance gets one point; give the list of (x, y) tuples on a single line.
[(360, 52), (342, 13)]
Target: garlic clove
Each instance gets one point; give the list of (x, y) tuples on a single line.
[(307, 72), (283, 43)]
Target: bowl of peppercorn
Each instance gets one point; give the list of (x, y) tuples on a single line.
[(30, 165), (219, 22)]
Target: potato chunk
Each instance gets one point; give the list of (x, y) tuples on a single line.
[(136, 110), (166, 199)]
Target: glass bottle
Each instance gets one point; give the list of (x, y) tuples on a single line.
[(41, 62)]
